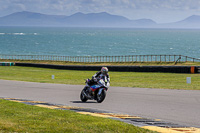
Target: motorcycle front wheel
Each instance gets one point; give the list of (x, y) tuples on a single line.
[(101, 96), (82, 96)]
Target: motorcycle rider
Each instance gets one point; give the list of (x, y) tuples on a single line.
[(103, 74)]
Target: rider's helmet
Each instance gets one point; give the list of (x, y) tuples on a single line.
[(104, 70)]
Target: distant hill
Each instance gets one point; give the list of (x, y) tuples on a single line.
[(190, 22), (102, 19), (191, 19), (30, 19)]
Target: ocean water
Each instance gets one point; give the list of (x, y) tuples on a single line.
[(98, 41)]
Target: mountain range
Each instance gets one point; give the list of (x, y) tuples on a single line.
[(102, 19)]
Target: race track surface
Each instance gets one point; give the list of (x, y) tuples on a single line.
[(177, 106)]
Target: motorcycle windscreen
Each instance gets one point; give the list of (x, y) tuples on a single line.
[(94, 87)]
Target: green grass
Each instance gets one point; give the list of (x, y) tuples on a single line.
[(157, 80), (19, 117), (122, 79)]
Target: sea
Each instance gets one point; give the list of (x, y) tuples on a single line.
[(98, 41)]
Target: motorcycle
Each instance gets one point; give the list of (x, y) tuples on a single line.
[(95, 91)]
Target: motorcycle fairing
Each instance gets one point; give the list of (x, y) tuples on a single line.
[(94, 87)]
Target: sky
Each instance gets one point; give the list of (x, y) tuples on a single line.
[(161, 11)]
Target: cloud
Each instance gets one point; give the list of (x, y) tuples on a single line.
[(168, 4), (98, 5)]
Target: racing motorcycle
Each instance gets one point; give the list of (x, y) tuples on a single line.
[(95, 91)]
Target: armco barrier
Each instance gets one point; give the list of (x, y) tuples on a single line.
[(167, 69)]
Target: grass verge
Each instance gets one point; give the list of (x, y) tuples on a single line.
[(19, 117), (122, 79)]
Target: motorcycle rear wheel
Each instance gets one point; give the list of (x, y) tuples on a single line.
[(82, 96), (101, 97)]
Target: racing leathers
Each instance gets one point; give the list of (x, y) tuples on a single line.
[(97, 76)]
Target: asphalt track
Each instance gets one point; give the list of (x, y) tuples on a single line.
[(177, 106)]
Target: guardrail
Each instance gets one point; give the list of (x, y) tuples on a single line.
[(126, 58)]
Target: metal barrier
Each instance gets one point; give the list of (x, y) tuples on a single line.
[(126, 58)]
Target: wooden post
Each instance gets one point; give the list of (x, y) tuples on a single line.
[(136, 58), (160, 58), (174, 58)]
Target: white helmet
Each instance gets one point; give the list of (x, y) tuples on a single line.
[(104, 70)]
